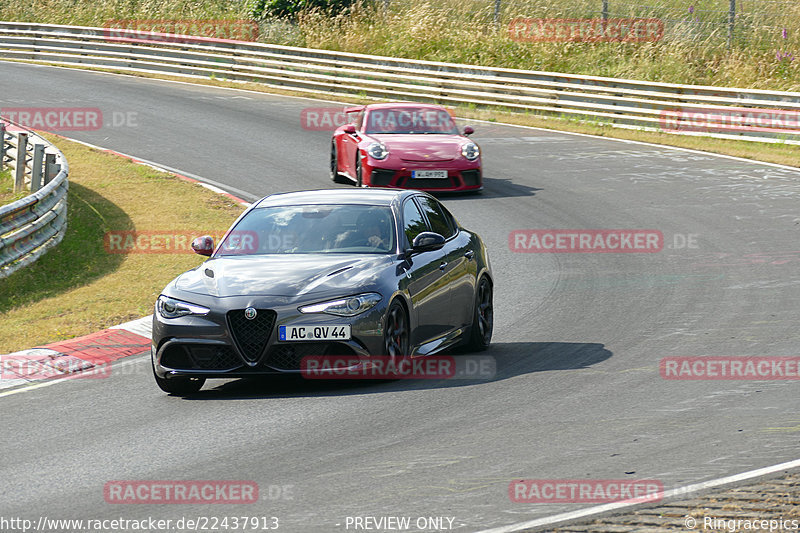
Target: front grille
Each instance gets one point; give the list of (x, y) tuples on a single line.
[(251, 336), (214, 357), (429, 183), (381, 178), (200, 357), (289, 356), (176, 357), (471, 177)]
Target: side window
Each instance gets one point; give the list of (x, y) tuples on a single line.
[(359, 120), (440, 223), (413, 221)]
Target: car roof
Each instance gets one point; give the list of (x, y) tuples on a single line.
[(358, 196)]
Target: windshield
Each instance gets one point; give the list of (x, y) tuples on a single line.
[(312, 229), (409, 120)]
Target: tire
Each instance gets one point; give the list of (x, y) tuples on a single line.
[(395, 331), (483, 317), (334, 170), (179, 386), (358, 172)]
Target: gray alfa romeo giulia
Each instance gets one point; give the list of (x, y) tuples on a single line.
[(350, 272)]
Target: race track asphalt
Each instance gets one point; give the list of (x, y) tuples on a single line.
[(577, 343)]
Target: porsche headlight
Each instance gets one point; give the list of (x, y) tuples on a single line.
[(377, 151), (171, 308), (470, 151), (349, 306)]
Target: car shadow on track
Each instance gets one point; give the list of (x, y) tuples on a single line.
[(492, 188), (509, 359)]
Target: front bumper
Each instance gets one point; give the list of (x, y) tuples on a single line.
[(221, 345), (461, 177)]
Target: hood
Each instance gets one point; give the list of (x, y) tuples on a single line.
[(282, 275), (419, 147)]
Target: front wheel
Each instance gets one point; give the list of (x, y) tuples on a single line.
[(395, 331), (334, 170), (483, 317), (358, 172), (179, 386)]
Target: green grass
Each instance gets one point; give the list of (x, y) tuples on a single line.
[(694, 48), (78, 287), (7, 189)]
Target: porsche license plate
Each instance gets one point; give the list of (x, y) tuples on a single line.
[(314, 333), (429, 174)]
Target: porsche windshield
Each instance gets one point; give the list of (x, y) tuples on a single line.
[(312, 229), (409, 120)]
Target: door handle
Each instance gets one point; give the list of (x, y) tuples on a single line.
[(443, 265), (469, 255)]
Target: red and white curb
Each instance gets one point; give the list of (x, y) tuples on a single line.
[(92, 355), (82, 356)]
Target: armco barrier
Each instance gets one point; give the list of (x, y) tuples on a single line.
[(750, 114), (32, 225)]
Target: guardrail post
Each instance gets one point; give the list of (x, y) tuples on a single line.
[(22, 154), (2, 146), (51, 169), (731, 22), (497, 11), (605, 11), (36, 167)]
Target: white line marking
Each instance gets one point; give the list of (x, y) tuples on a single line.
[(680, 491), (127, 361), (643, 143)]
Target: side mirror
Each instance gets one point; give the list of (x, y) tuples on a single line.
[(426, 242), (203, 245), (350, 129), (468, 130)]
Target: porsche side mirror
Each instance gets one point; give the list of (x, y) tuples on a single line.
[(426, 242), (350, 129), (468, 130), (203, 245)]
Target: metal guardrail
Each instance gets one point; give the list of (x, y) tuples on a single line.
[(625, 103), (749, 114), (34, 224)]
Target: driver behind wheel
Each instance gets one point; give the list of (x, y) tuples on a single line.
[(373, 226)]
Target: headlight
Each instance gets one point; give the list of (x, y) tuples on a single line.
[(378, 151), (470, 151), (350, 306), (171, 308)]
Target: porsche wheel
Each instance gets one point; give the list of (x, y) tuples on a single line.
[(483, 318), (359, 182), (334, 170)]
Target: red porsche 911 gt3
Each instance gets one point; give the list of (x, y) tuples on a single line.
[(405, 145)]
